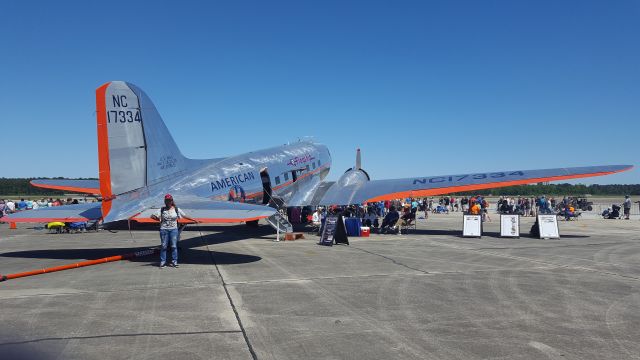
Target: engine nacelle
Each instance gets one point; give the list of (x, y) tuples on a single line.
[(353, 177)]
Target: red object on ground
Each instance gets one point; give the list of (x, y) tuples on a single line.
[(12, 225), (365, 231)]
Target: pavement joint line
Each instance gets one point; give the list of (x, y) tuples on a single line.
[(390, 259), (589, 260), (233, 306), (553, 247), (118, 335), (85, 292), (515, 257), (430, 273)]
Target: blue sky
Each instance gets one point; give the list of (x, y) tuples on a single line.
[(423, 88)]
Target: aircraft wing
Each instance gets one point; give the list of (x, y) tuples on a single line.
[(66, 213), (207, 211), (377, 190), (76, 186)]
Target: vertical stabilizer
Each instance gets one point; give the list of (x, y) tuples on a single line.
[(135, 148)]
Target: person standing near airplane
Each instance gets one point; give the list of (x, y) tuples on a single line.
[(168, 216), (627, 206)]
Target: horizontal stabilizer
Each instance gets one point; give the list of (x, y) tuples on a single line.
[(75, 186), (66, 213), (207, 211)]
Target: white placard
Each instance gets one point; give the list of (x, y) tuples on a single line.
[(510, 225), (548, 226), (472, 225)]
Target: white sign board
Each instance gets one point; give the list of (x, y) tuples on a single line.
[(472, 225), (510, 225), (548, 226)]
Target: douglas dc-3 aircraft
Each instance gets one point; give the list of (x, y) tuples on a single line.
[(139, 162)]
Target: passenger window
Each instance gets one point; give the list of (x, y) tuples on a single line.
[(318, 163), (286, 176), (277, 180), (313, 164), (307, 167)]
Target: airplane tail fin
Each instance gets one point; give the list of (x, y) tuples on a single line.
[(135, 148)]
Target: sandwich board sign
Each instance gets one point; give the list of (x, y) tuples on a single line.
[(548, 227), (333, 230), (328, 231), (472, 225), (510, 225)]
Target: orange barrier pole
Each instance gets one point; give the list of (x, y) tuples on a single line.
[(12, 226), (141, 253)]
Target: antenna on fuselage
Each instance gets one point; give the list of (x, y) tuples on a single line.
[(358, 161)]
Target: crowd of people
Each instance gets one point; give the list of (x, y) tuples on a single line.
[(395, 211)]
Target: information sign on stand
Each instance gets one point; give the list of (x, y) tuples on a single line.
[(328, 231), (510, 225), (333, 230), (548, 227), (472, 226)]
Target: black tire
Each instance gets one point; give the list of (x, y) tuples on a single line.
[(589, 208), (253, 223)]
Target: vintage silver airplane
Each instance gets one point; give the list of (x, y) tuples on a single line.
[(139, 162)]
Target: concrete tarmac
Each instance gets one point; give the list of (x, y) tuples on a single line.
[(429, 294)]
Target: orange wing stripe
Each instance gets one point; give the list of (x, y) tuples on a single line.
[(43, 220), (203, 220), (69, 188), (453, 189)]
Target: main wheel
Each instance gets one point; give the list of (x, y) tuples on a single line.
[(253, 223)]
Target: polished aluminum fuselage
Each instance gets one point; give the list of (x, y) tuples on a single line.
[(294, 170)]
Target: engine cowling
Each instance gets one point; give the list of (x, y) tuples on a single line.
[(353, 177)]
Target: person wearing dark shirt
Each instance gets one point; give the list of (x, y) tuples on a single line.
[(391, 219)]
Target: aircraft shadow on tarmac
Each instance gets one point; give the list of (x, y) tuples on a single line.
[(192, 250)]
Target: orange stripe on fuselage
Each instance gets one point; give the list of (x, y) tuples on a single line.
[(283, 185), (103, 149), (454, 189)]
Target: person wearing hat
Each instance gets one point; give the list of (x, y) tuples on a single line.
[(168, 216), (627, 206)]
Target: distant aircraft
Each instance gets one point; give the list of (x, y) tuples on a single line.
[(139, 163)]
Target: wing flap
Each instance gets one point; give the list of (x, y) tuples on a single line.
[(78, 186), (377, 190)]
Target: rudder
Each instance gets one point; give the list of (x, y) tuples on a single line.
[(135, 148)]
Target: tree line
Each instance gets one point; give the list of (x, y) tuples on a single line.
[(21, 186), (561, 189)]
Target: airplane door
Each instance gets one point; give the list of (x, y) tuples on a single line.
[(266, 186)]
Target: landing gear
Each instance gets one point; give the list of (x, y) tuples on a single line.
[(253, 223)]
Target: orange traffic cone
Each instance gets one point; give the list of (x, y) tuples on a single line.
[(12, 225)]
